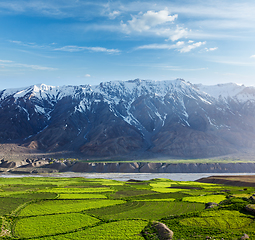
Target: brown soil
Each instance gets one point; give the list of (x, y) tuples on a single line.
[(15, 152), (245, 180)]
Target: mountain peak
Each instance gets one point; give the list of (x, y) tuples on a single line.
[(171, 117)]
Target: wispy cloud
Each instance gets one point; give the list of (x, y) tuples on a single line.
[(40, 7), (181, 46), (92, 49), (183, 69), (189, 47), (161, 46), (56, 9), (252, 56), (70, 48), (30, 45), (12, 64), (235, 63), (5, 61)]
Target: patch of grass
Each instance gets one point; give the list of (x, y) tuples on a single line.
[(120, 230), (157, 200), (242, 195), (175, 195), (139, 185), (80, 196), (205, 199), (52, 224), (65, 206), (161, 184), (146, 210), (129, 192), (223, 219), (79, 190), (30, 187), (166, 190), (35, 195), (9, 204)]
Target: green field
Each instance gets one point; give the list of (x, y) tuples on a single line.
[(52, 224), (125, 229), (80, 196), (146, 210), (65, 206), (205, 199), (80, 208)]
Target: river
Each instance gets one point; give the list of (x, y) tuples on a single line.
[(127, 176)]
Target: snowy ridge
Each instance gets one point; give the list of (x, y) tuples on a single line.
[(170, 117), (125, 93), (116, 91), (235, 91)]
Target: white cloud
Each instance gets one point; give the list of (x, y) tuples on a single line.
[(180, 32), (114, 14), (180, 46), (155, 23), (188, 48), (252, 56), (211, 49), (161, 46), (148, 20), (87, 75), (93, 49)]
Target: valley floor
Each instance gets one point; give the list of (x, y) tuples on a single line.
[(80, 208)]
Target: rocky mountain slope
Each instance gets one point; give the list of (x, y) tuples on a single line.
[(166, 118)]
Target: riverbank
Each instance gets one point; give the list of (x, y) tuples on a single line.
[(48, 166)]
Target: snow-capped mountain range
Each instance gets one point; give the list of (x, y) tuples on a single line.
[(172, 118)]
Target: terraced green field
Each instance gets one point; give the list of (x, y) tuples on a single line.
[(52, 224), (146, 210), (80, 196), (65, 206), (224, 219), (125, 229), (79, 208), (205, 199)]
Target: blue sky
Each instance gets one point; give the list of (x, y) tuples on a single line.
[(74, 42)]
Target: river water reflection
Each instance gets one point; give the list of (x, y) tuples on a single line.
[(127, 176)]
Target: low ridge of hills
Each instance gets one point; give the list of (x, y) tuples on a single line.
[(124, 118)]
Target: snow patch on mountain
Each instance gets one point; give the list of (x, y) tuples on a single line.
[(234, 91)]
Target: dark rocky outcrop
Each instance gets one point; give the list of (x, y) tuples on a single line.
[(250, 208), (210, 205), (245, 236), (163, 231)]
